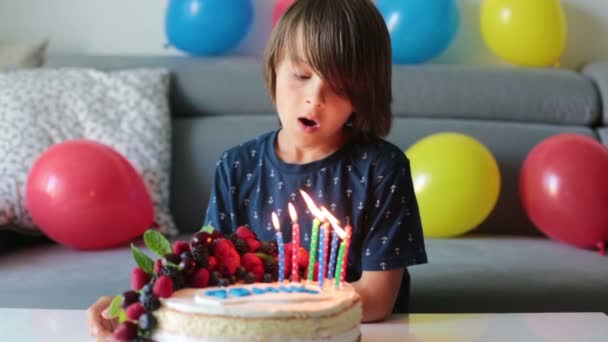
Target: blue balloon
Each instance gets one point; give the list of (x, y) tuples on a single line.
[(207, 27), (419, 29)]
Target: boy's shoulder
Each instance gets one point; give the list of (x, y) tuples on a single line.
[(383, 153), (248, 150)]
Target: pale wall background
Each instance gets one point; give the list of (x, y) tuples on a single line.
[(137, 27)]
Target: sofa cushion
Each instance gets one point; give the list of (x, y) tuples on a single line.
[(508, 274), (127, 110), (598, 73)]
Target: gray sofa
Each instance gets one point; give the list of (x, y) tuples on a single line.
[(505, 265)]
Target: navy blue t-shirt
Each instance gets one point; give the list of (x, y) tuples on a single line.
[(368, 183)]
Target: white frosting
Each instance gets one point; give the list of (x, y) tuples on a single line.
[(347, 336), (295, 304)]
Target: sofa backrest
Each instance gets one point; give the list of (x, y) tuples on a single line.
[(220, 102)]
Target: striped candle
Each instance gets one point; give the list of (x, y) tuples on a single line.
[(323, 242), (314, 239), (295, 243), (275, 222)]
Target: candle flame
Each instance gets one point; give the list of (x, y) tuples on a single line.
[(275, 221), (312, 207), (292, 212), (335, 223)]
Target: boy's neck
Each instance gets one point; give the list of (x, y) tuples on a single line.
[(289, 152)]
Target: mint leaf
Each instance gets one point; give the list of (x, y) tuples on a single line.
[(157, 243), (122, 316), (143, 261), (115, 306), (207, 229)]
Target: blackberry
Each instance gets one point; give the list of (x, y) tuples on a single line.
[(249, 278), (188, 265), (201, 239), (223, 282), (129, 298), (148, 287), (241, 246), (268, 278), (241, 272), (214, 278), (233, 237), (147, 322), (232, 279), (172, 258), (149, 301), (271, 266), (200, 254), (186, 254), (175, 275), (269, 247)]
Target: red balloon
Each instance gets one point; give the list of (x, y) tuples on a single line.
[(564, 189), (279, 8), (85, 195)]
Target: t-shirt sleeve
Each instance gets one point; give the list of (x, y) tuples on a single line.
[(394, 238), (220, 206)]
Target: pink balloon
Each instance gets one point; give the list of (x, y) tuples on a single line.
[(564, 189), (85, 195), (279, 8)]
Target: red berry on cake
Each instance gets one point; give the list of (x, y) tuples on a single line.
[(201, 239), (243, 232), (200, 278), (302, 257), (253, 244), (125, 331), (134, 310), (249, 260), (163, 287), (228, 265), (222, 248), (139, 278), (179, 247), (212, 263), (158, 264)]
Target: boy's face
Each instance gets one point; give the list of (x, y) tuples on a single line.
[(311, 113)]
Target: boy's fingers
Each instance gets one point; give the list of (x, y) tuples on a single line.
[(96, 319)]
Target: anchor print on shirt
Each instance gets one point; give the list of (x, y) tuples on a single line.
[(222, 216), (362, 180), (384, 240), (255, 215), (377, 203), (232, 216), (336, 179), (397, 250), (268, 226), (270, 200), (383, 266), (360, 207), (272, 173), (253, 152), (236, 164), (306, 237), (217, 163), (364, 156), (308, 182), (233, 189), (379, 179), (393, 187), (349, 167), (249, 176), (246, 202), (281, 184), (348, 193), (293, 196), (333, 206), (367, 252), (320, 194), (279, 211), (214, 199)]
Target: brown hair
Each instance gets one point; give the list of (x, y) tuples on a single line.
[(346, 42)]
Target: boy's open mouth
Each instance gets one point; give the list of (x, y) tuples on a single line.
[(307, 122)]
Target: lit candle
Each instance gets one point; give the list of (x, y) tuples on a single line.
[(295, 242), (323, 252), (314, 239), (334, 242), (275, 222), (343, 256)]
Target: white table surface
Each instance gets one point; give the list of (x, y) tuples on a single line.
[(29, 325)]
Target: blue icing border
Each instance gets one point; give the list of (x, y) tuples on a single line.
[(240, 291)]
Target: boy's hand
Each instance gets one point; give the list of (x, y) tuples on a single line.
[(100, 325)]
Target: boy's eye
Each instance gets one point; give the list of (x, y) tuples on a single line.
[(300, 76)]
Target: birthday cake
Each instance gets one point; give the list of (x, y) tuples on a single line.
[(235, 288)]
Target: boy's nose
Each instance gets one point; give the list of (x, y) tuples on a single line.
[(316, 94)]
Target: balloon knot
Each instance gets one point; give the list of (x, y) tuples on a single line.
[(601, 246)]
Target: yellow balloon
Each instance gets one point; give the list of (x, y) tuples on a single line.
[(456, 180), (525, 32)]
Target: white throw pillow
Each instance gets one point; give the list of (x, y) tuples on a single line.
[(21, 55), (127, 110)]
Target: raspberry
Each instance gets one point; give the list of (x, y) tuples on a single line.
[(179, 247), (138, 279), (200, 254), (253, 244), (212, 263), (175, 275), (222, 248), (302, 257), (245, 233), (200, 278), (129, 298), (125, 331), (241, 246), (147, 322), (149, 301), (269, 248), (134, 311), (228, 266), (217, 235), (163, 287)]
